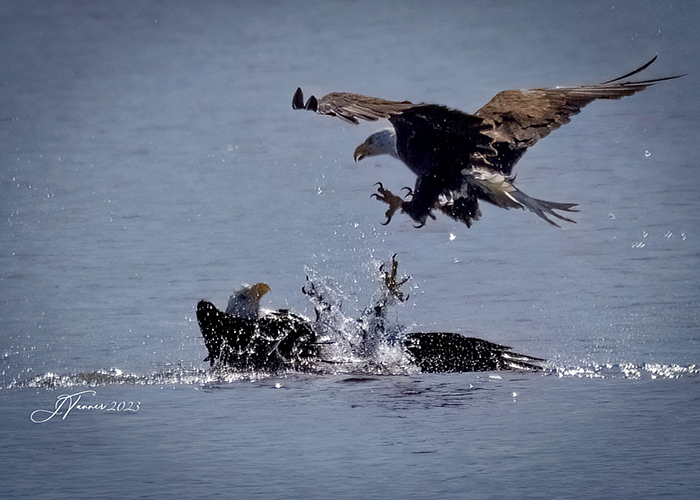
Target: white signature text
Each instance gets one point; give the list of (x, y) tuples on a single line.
[(65, 403)]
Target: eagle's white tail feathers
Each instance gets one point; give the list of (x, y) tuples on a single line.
[(542, 207), (498, 189)]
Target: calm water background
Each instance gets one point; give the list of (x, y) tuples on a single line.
[(149, 158)]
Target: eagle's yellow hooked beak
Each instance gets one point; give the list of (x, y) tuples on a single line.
[(361, 152), (260, 289)]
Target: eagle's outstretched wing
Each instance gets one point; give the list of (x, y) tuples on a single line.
[(522, 117), (351, 107)]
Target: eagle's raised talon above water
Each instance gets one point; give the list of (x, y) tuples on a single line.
[(389, 279), (386, 196)]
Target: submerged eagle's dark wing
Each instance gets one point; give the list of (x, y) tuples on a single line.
[(522, 117), (350, 107), (221, 329), (278, 340), (440, 352)]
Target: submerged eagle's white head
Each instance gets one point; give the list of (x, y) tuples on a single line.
[(379, 143), (245, 303)]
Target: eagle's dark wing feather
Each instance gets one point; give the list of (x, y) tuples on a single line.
[(522, 117), (351, 107), (440, 352)]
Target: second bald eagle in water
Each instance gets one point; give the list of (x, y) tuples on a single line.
[(461, 158)]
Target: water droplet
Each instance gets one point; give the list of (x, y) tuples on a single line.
[(611, 216), (452, 237), (647, 153)]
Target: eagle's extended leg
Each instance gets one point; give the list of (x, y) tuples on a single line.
[(390, 283), (390, 199)]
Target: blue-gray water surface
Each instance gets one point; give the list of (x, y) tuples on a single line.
[(150, 158)]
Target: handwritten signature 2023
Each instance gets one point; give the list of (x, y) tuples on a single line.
[(66, 403)]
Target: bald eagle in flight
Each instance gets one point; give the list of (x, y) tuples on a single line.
[(461, 158)]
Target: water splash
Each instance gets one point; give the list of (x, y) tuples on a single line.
[(176, 375), (630, 371), (370, 344)]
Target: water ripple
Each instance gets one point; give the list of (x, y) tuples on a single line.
[(178, 375)]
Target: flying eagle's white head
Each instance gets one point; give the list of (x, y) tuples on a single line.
[(245, 303), (379, 143)]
